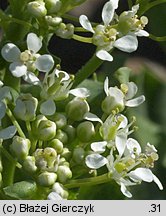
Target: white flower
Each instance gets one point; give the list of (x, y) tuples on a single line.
[(123, 96), (54, 196), (105, 37), (23, 64)]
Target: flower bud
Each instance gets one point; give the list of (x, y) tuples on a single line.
[(78, 155), (57, 145), (110, 104), (59, 189), (25, 108), (60, 120), (64, 173), (70, 131), (53, 6), (20, 147), (29, 164), (37, 8), (66, 153), (65, 31), (85, 131), (62, 161), (53, 21), (43, 128), (62, 136), (47, 178), (77, 108), (50, 156)]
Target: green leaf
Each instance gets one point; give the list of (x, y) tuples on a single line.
[(21, 190)]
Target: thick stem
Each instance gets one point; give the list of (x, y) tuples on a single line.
[(88, 69), (89, 181)]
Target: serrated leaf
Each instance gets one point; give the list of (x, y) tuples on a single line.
[(21, 190)]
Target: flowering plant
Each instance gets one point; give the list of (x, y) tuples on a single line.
[(51, 140)]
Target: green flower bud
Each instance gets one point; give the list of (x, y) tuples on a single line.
[(37, 8), (78, 155), (50, 156), (25, 108), (66, 153), (70, 131), (110, 104), (63, 162), (57, 145), (62, 136), (59, 189), (43, 128), (29, 164), (60, 120), (20, 147), (65, 31), (64, 173), (53, 6), (53, 21), (85, 131), (77, 108), (47, 178)]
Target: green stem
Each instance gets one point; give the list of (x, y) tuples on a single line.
[(88, 69), (33, 146), (89, 181), (82, 39), (28, 125), (15, 123), (159, 39)]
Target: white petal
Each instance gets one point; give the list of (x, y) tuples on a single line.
[(44, 63), (99, 146), (80, 92), (48, 108), (54, 196), (59, 73), (31, 78), (157, 181), (104, 55), (143, 174), (120, 142), (133, 146), (10, 52), (106, 86), (2, 109), (124, 123), (108, 11), (128, 43), (86, 23), (95, 161), (92, 117), (18, 69), (33, 42), (132, 90), (135, 8), (142, 33), (117, 94), (136, 101), (125, 191), (1, 83), (8, 132)]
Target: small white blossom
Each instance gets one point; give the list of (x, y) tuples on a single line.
[(23, 64), (106, 36)]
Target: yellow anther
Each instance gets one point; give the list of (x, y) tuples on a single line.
[(124, 88)]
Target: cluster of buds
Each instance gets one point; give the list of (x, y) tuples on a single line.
[(50, 12)]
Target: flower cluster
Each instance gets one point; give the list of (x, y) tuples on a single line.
[(116, 31)]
